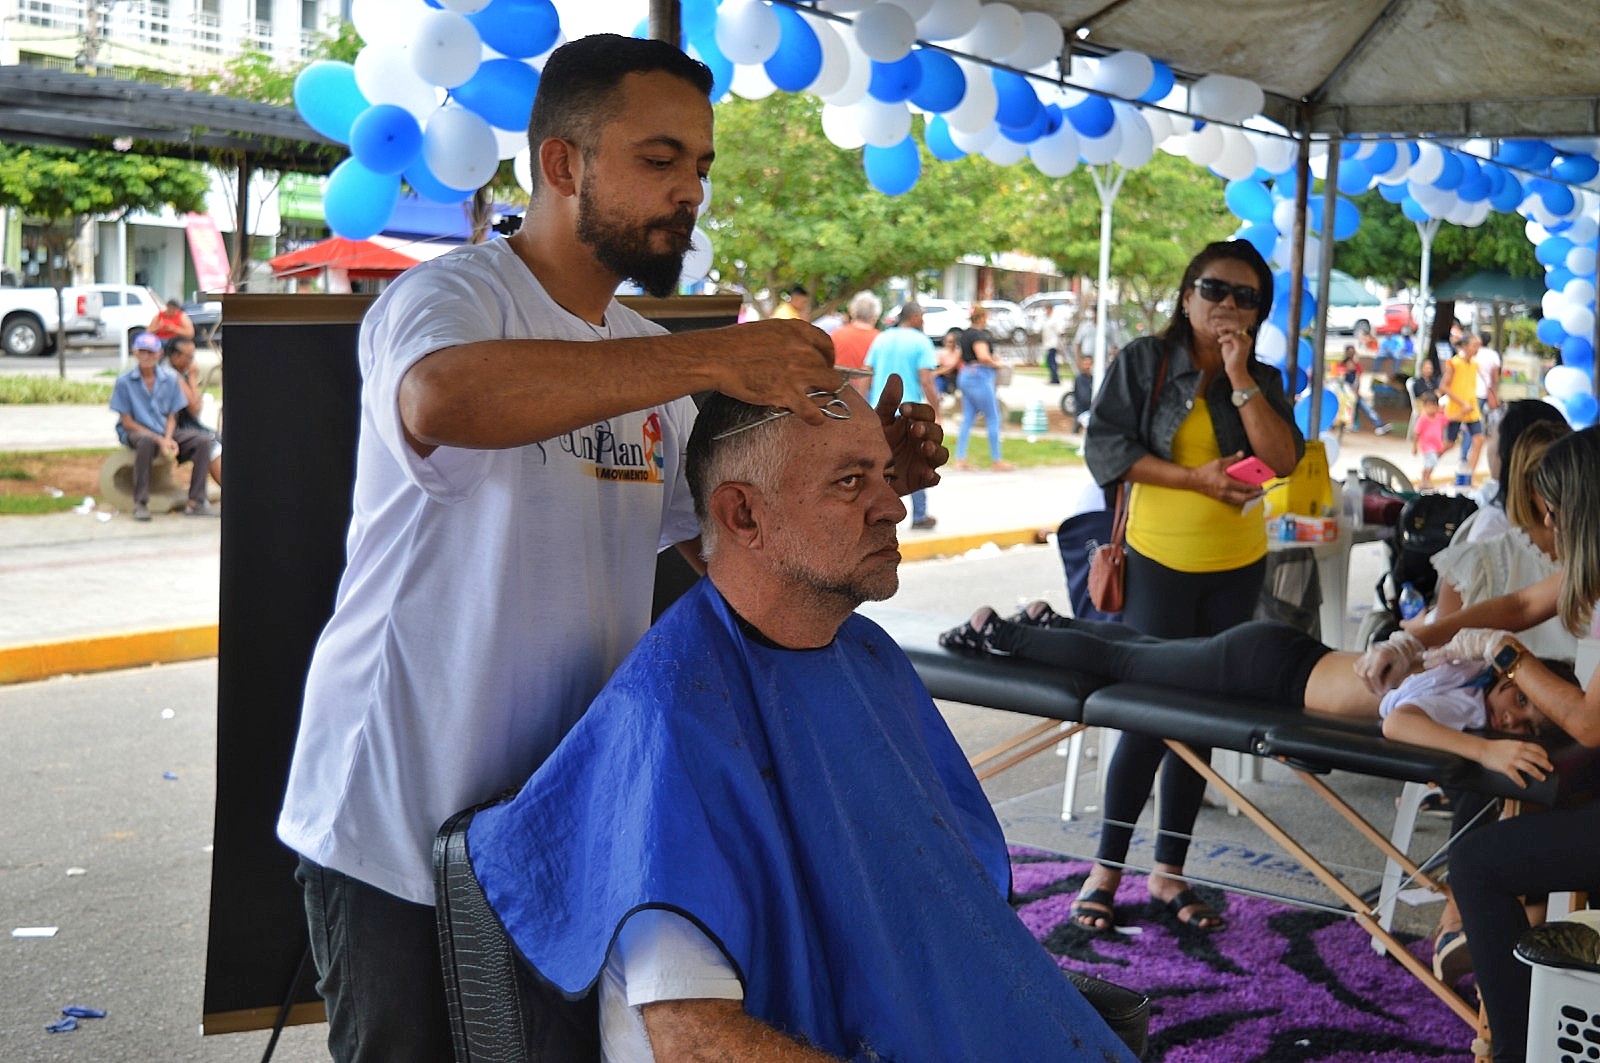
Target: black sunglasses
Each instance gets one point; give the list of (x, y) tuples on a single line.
[(1213, 290)]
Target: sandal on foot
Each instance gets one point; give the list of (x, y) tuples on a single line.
[(1094, 905), (1451, 960), (1188, 898), (1038, 614), (975, 641), (1435, 803)]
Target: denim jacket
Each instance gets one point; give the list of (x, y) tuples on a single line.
[(1123, 428)]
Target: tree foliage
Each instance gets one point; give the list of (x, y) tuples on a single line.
[(1388, 248)]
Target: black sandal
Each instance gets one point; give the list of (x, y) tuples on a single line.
[(1102, 901), (975, 641), (1188, 898), (1038, 614)]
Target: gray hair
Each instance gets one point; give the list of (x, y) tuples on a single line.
[(729, 444), (866, 307)]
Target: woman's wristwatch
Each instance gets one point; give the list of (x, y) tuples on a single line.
[(1240, 397), (1508, 658)]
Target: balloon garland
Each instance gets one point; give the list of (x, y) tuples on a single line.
[(442, 90)]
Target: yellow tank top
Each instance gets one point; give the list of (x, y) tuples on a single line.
[(1463, 391), (1189, 531)]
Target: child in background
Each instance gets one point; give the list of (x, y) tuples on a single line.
[(1427, 438)]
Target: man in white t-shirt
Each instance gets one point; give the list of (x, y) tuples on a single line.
[(1488, 363), (518, 469)]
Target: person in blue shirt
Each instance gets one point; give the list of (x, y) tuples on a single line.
[(907, 352), (148, 399)]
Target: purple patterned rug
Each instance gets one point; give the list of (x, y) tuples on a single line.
[(1279, 984)]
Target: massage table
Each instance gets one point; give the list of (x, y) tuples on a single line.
[(1309, 745)]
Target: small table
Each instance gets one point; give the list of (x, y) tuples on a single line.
[(1333, 574)]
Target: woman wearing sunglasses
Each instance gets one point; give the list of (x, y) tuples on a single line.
[(1174, 412)]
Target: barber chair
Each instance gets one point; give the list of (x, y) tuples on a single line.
[(501, 1012)]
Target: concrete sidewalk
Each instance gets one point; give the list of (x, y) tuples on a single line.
[(87, 592)]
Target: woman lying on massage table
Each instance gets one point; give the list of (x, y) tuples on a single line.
[(1279, 664)]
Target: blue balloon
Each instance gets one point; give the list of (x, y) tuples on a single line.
[(1449, 178), (942, 85), (1284, 184), (1262, 236), (1354, 177), (1018, 103), (518, 28), (1509, 196), (1577, 351), (1540, 155), (1558, 199), (1581, 409), (422, 181), (1346, 219), (1558, 277), (721, 66), (501, 92), (357, 202), (1030, 132), (1576, 168), (699, 17), (1329, 410), (1551, 332), (940, 146), (1301, 380), (1250, 200), (1160, 85), (1475, 187), (1553, 250), (385, 138), (1382, 159), (894, 82), (1581, 360), (1092, 117), (326, 96), (641, 29), (1054, 117), (1393, 193), (798, 60), (1413, 210), (893, 170)]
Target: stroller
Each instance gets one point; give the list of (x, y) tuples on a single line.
[(1426, 525)]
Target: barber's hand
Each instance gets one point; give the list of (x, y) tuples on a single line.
[(1472, 644), (1518, 760), (1385, 664), (1212, 479), (915, 438), (773, 363)]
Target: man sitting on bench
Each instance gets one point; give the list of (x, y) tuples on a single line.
[(762, 842)]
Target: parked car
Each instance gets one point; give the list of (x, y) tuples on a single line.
[(1007, 322), (207, 318), (1397, 318), (938, 316), (126, 309), (1037, 307), (1350, 307), (28, 318)]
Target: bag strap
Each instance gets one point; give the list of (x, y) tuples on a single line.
[(1120, 522)]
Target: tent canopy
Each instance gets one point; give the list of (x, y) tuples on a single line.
[(1447, 68), (378, 258), (1492, 286)]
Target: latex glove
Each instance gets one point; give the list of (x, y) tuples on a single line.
[(1470, 644), (1385, 664)]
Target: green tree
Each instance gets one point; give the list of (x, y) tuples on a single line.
[(789, 206), (1388, 249)]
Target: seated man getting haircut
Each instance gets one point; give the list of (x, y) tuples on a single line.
[(762, 842)]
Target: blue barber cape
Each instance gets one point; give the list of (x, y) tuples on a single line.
[(812, 813)]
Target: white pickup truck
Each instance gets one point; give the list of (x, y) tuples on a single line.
[(28, 318)]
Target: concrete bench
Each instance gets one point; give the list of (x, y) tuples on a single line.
[(116, 483)]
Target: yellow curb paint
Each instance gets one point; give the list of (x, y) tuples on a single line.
[(913, 549), (99, 653)]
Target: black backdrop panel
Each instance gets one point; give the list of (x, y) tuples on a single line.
[(292, 394)]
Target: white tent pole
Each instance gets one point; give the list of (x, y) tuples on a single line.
[(1107, 182), (122, 278), (1426, 231)]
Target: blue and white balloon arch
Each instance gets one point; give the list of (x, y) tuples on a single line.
[(442, 89)]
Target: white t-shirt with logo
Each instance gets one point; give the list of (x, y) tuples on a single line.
[(487, 596)]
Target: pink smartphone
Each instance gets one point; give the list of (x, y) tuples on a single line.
[(1252, 470)]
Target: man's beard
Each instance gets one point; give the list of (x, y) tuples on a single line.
[(626, 251), (809, 575)]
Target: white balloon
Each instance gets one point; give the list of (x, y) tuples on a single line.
[(1429, 164), (1003, 151), (885, 32), (445, 50), (748, 31), (948, 19), (839, 126), (697, 263), (917, 9), (1042, 42), (1581, 260), (1577, 145), (1363, 148), (1273, 154), (1056, 155), (384, 75), (522, 169), (459, 148), (1402, 165), (1578, 320), (845, 7), (1579, 292), (1127, 74), (1283, 215), (1097, 151), (1237, 159), (1313, 250), (883, 125), (1565, 381), (858, 74), (1225, 98), (464, 7), (835, 66), (998, 32), (978, 107), (1535, 232), (509, 142), (1553, 303), (1205, 144), (1582, 231), (1138, 143), (751, 82), (386, 21), (1271, 344), (975, 142), (1157, 122), (1472, 215)]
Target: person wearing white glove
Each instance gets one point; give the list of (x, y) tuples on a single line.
[(1473, 644), (1385, 664)]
